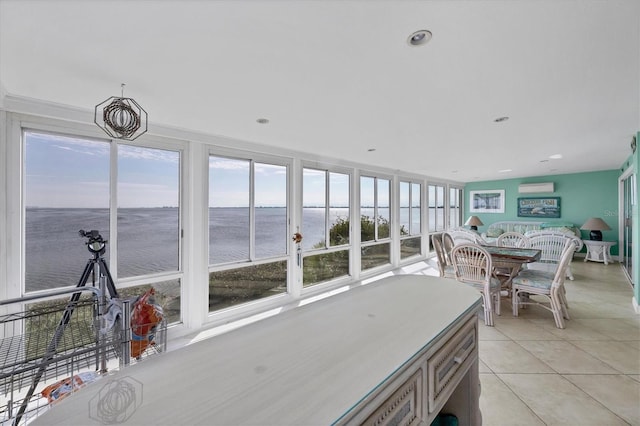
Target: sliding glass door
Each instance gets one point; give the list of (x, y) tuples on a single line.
[(628, 187)]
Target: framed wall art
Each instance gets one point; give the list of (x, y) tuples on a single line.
[(542, 207), (488, 201)]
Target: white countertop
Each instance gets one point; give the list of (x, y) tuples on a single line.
[(308, 365)]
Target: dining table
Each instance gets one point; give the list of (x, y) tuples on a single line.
[(510, 260)]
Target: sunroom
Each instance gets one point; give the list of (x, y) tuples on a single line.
[(290, 151)]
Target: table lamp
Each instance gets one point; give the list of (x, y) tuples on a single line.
[(473, 222), (595, 225)]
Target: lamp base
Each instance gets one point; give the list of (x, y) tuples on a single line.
[(595, 236), (474, 228)]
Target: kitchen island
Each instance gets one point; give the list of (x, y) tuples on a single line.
[(396, 351)]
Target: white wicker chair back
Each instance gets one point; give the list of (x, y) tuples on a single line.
[(551, 245), (513, 239), (472, 264), (436, 241), (448, 244), (462, 236)]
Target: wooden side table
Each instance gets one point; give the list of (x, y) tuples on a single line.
[(598, 251)]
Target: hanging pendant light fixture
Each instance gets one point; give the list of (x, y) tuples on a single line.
[(120, 117)]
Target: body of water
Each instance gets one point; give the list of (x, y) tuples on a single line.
[(56, 254), (148, 239)]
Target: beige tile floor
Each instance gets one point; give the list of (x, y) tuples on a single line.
[(533, 373)]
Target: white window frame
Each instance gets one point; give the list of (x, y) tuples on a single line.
[(18, 124), (194, 220), (353, 272), (424, 231), (259, 304), (392, 240)]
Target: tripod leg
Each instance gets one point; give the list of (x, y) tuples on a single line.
[(55, 341), (88, 269), (110, 284)]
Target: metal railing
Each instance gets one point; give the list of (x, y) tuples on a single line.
[(43, 340)]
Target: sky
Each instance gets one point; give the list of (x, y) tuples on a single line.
[(68, 172), (229, 183)]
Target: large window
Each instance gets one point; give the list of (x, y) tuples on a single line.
[(410, 223), (436, 208), (68, 187), (455, 207), (325, 225), (375, 222), (229, 197), (244, 211), (248, 239), (148, 214)]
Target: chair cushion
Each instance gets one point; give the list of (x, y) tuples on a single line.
[(547, 225), (494, 232), (534, 278), (495, 285), (520, 228)]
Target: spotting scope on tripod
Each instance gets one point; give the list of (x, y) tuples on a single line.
[(101, 279), (97, 265)]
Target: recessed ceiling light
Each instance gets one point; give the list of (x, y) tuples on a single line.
[(505, 171), (419, 38), (501, 119), (555, 156), (371, 149), (262, 120)]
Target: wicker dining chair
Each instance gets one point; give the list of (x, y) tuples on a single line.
[(472, 265), (447, 245), (550, 285), (510, 239), (462, 236), (444, 267), (551, 246), (513, 239)]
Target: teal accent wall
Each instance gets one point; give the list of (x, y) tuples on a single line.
[(582, 195)]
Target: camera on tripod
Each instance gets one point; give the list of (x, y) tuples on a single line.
[(96, 266), (96, 243)]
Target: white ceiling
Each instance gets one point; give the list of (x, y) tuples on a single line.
[(336, 78)]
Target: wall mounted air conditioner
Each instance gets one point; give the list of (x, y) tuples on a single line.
[(532, 188)]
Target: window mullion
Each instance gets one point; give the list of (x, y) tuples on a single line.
[(375, 209), (436, 212), (113, 210), (252, 211), (327, 219), (410, 208)]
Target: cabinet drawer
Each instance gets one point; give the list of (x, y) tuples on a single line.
[(449, 364), (403, 407)]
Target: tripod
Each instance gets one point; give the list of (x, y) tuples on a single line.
[(97, 246), (98, 267)]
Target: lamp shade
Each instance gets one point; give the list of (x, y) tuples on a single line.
[(595, 225), (473, 222)]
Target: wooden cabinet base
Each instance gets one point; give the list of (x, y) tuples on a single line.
[(396, 351)]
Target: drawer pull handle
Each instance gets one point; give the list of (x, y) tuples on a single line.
[(459, 356)]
